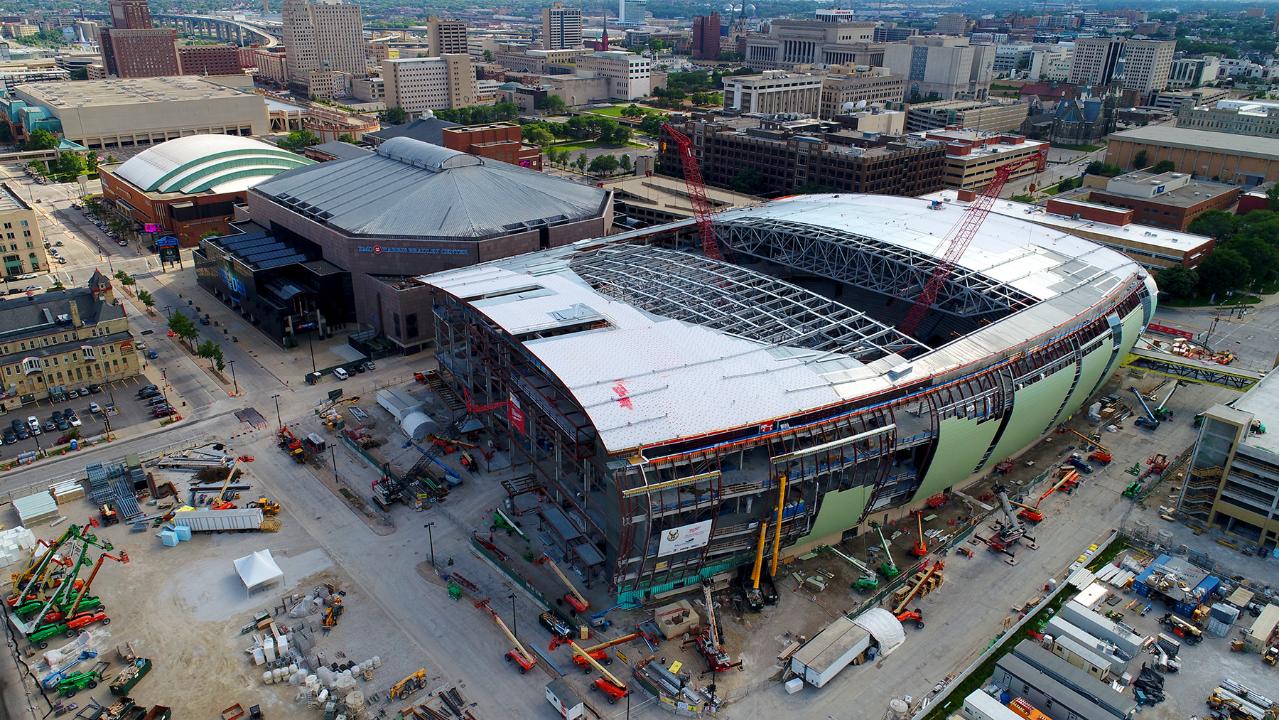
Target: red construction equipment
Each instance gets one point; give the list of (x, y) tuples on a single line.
[(708, 640), (921, 545), (522, 658), (952, 247), (613, 688), (572, 597), (696, 192), (220, 501), (1032, 513), (926, 579)]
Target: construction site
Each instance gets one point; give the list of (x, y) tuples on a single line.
[(832, 456)]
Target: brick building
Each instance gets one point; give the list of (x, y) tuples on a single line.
[(1171, 200), (210, 60), (1224, 157), (496, 141), (706, 37)]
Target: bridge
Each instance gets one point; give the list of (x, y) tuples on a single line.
[(1199, 371), (238, 32)]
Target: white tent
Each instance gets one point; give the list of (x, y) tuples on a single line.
[(258, 569)]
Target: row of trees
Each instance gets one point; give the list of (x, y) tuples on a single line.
[(185, 329), (578, 127), (600, 165), (479, 113), (1246, 256)]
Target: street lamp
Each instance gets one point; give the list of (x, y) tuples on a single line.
[(515, 620), (276, 398), (168, 311), (431, 539), (310, 342), (231, 364)]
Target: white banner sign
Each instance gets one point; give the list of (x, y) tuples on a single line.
[(686, 537)]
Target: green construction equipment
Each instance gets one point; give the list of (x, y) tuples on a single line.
[(867, 581), (888, 568), (1133, 489)]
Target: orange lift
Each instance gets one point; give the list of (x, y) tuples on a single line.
[(1032, 513), (572, 597), (518, 654), (921, 545)]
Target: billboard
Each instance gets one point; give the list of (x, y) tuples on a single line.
[(685, 537), (151, 228)]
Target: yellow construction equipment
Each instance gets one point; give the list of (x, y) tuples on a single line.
[(333, 613), (608, 684), (777, 532), (408, 685), (615, 641), (518, 654), (220, 502), (269, 506), (926, 579), (572, 597)]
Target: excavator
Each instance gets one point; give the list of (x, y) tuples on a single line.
[(921, 545), (1032, 513), (572, 597), (613, 688), (289, 443), (518, 654), (269, 506), (888, 567)]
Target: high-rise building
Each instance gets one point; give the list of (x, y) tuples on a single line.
[(952, 24), (418, 84), (324, 36), (942, 68), (446, 37), (210, 60), (561, 27), (773, 92), (706, 37), (632, 12), (813, 42), (132, 48), (1147, 64), (1095, 60)]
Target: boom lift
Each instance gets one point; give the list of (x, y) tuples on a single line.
[(220, 501), (708, 641), (1161, 412), (888, 567), (1100, 453), (956, 241), (921, 545), (122, 558), (867, 581), (595, 651), (522, 658), (1150, 421), (922, 582), (608, 683), (40, 564), (1032, 513), (754, 596), (572, 597)]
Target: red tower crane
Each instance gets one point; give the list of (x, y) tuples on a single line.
[(952, 247), (696, 192)]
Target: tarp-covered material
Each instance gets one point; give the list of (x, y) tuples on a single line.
[(884, 627), (258, 569)]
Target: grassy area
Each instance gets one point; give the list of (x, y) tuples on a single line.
[(1080, 148), (613, 111), (1270, 289), (1202, 301), (578, 146)]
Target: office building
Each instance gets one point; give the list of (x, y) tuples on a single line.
[(850, 89), (105, 114), (972, 156), (129, 14), (495, 141), (632, 12), (773, 92), (561, 27), (985, 115), (813, 42), (889, 32), (1193, 72), (1173, 100), (782, 157), (418, 84), (323, 36), (1238, 117), (942, 68), (1222, 157), (706, 37), (22, 243), (272, 66), (521, 58), (1095, 60), (1172, 199), (368, 224), (657, 199), (210, 60), (62, 339), (628, 76), (132, 47), (1232, 483), (1051, 63), (1012, 57), (446, 37), (188, 187), (951, 24), (1147, 64)]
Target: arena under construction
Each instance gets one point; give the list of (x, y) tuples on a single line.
[(671, 404)]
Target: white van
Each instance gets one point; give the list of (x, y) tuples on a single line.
[(341, 373)]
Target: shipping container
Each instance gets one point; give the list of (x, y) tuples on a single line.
[(220, 520)]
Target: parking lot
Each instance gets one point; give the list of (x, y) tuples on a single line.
[(129, 411)]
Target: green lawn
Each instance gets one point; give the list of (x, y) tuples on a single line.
[(578, 146), (613, 111), (1080, 148)]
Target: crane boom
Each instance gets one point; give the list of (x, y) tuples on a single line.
[(577, 650), (696, 192), (122, 558), (957, 240)]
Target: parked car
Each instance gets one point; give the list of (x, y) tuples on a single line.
[(94, 408), (151, 354), (162, 411), (73, 393), (10, 437), (63, 425), (73, 420), (57, 415), (62, 261), (142, 391), (49, 426), (95, 389), (34, 424), (150, 394), (157, 401), (369, 365), (341, 374)]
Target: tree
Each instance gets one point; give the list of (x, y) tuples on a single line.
[(1139, 160), (1164, 166), (625, 162), (1097, 167), (554, 105), (604, 165), (581, 162), (1223, 270), (536, 135), (347, 138), (1178, 281), (1215, 224), (394, 116), (652, 124), (146, 298), (488, 56), (1272, 197), (633, 110), (91, 161), (69, 165), (299, 139), (41, 140), (206, 350), (183, 327), (747, 181)]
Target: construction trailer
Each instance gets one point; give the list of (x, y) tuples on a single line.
[(981, 706), (565, 699), (846, 641), (206, 520)]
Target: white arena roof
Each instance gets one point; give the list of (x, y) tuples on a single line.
[(206, 163), (657, 345)]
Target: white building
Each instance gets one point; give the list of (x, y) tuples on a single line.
[(561, 27), (418, 84), (773, 91), (1009, 58), (325, 36), (632, 12), (1051, 62), (949, 68), (628, 74), (1147, 64), (812, 42), (1193, 72), (1095, 60)]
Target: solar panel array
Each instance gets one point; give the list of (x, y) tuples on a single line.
[(261, 251)]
